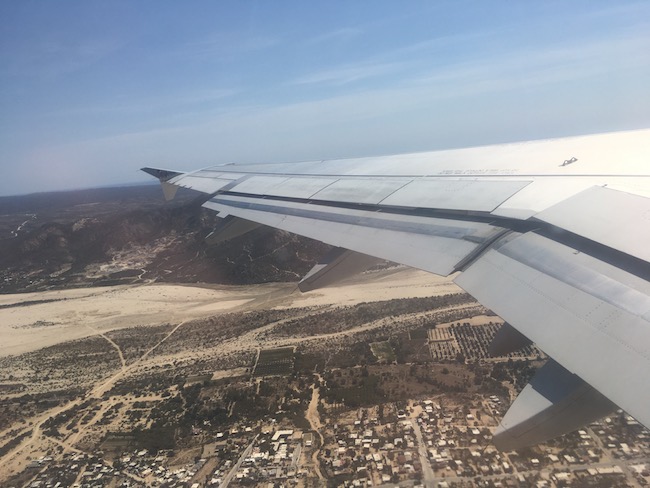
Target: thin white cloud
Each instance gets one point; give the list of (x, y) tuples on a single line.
[(553, 64), (373, 122), (338, 35), (206, 95), (415, 56), (419, 116), (183, 102), (227, 44), (638, 10), (53, 58), (348, 73), (435, 44), (418, 97)]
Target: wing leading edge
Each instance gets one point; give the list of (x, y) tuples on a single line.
[(559, 251)]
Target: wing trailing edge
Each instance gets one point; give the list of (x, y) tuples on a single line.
[(555, 402), (589, 315)]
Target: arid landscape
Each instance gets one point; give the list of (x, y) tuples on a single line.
[(132, 354), (127, 235)]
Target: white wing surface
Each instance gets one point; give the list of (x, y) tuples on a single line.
[(553, 235)]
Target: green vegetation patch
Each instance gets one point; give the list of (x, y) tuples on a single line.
[(278, 361), (364, 392), (116, 441), (383, 351), (198, 378), (419, 334), (345, 318)]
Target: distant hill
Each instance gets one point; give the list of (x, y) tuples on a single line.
[(129, 234), (61, 199)]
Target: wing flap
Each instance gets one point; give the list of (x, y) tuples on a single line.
[(282, 186), (360, 190), (335, 266), (450, 194), (576, 308), (230, 228), (205, 182), (443, 194)]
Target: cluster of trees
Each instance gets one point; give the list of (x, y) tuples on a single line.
[(344, 318), (13, 409), (72, 364), (7, 447), (207, 333), (157, 438), (135, 341), (361, 392), (519, 373), (144, 384)]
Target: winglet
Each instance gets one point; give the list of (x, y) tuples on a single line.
[(164, 175)]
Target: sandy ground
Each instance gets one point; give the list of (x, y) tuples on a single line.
[(78, 313), (377, 286)]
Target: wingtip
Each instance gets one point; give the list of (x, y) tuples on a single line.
[(161, 174)]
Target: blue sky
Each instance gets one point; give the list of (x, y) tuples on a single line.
[(90, 91)]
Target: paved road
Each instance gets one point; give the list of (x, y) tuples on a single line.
[(428, 477)]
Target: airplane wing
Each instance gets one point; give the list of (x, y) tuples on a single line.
[(553, 236)]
